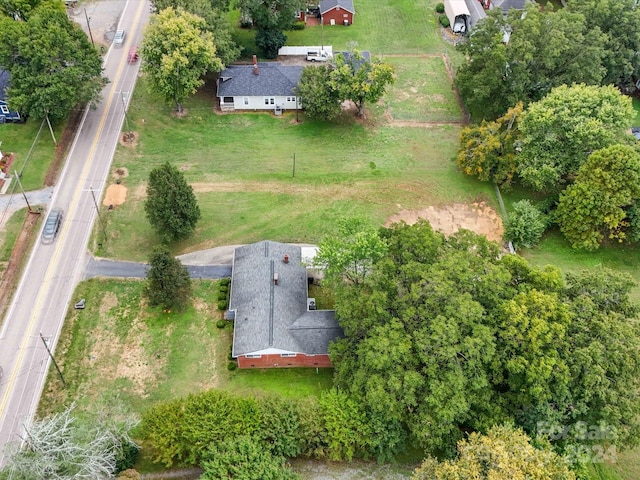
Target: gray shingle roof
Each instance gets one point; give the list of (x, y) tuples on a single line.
[(276, 316), (326, 5), (505, 5), (273, 79)]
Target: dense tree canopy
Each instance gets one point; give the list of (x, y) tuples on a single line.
[(561, 130), (53, 66), (171, 206), (177, 52), (276, 15), (168, 281), (214, 13), (619, 20), (243, 458), (446, 335), (543, 49), (488, 150), (596, 206), (504, 453), (22, 9)]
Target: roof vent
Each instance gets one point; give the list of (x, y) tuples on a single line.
[(255, 65), (275, 279), (285, 258)]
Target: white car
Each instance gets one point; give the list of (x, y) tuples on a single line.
[(318, 56), (118, 39)]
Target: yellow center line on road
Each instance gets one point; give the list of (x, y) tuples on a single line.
[(65, 228)]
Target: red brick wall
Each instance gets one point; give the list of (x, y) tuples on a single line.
[(338, 15), (277, 361)]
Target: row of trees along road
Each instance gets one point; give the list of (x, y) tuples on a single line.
[(52, 64)]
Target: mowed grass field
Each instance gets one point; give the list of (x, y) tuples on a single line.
[(117, 344), (422, 91), (33, 148), (380, 26), (241, 167)]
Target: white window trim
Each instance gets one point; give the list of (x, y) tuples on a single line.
[(253, 356), (284, 355), (4, 109)]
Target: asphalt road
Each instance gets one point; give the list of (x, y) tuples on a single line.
[(52, 272), (100, 267)]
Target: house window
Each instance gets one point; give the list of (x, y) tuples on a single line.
[(227, 99), (269, 100), (4, 109), (253, 356), (272, 101), (246, 100), (287, 354)]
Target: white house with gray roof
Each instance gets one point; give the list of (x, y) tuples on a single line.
[(261, 86), (275, 322)]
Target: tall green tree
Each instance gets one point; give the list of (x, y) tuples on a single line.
[(214, 13), (525, 225), (178, 52), (596, 206), (613, 17), (22, 9), (561, 130), (504, 453), (53, 66), (171, 206), (520, 58), (360, 80), (351, 253), (168, 281), (272, 18), (488, 150), (320, 100)]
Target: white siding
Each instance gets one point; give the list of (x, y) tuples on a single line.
[(303, 50), (258, 103)]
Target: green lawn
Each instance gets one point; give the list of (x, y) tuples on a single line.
[(241, 168), (422, 91), (380, 26), (636, 107), (8, 235), (19, 138)]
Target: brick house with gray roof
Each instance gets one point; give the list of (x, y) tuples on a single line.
[(261, 86), (275, 323)]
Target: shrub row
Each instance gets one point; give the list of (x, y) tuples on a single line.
[(181, 432)]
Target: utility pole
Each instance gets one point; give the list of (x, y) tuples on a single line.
[(104, 230), (89, 28), (46, 116), (294, 165), (24, 194), (64, 384)]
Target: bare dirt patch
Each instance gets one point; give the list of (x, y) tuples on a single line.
[(129, 139), (115, 195), (120, 173), (477, 217)]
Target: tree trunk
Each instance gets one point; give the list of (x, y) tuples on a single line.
[(360, 105)]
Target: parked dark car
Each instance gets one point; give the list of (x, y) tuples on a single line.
[(52, 225)]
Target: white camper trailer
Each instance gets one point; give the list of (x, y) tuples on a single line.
[(458, 15)]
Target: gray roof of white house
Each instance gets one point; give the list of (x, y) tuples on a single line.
[(276, 316), (326, 5), (273, 79)]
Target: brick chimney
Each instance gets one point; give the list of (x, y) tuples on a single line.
[(255, 65)]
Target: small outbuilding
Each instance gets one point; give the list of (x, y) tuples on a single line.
[(337, 12), (458, 15)]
